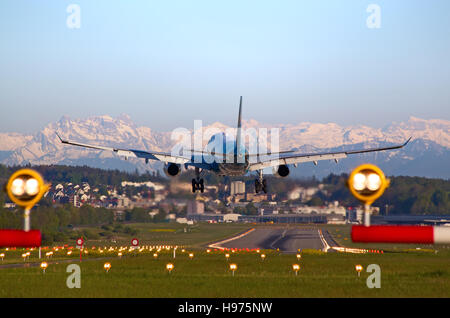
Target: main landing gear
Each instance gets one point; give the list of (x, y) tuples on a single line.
[(260, 183), (197, 182)]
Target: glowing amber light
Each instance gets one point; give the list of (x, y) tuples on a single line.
[(170, 267), (107, 266), (44, 265), (295, 268), (191, 255), (358, 268), (233, 267)]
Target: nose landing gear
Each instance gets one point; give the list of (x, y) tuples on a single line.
[(260, 183)]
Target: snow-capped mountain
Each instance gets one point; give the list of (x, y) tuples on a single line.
[(428, 154)]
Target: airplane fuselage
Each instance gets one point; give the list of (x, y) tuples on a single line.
[(234, 163)]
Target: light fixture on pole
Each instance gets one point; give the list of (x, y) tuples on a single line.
[(170, 267), (359, 269), (367, 183), (296, 268), (44, 266), (233, 268)]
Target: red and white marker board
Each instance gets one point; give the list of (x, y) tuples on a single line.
[(80, 242), (135, 242), (401, 234), (20, 238)]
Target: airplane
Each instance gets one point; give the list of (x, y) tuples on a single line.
[(237, 161)]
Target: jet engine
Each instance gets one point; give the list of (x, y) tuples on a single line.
[(172, 169), (281, 171)]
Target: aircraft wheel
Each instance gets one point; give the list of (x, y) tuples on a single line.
[(264, 185), (194, 185), (257, 186)]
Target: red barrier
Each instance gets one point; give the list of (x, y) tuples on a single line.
[(20, 238), (393, 234)]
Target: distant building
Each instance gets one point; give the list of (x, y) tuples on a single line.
[(76, 201), (195, 207), (354, 215), (181, 220), (237, 187), (123, 202), (171, 216), (231, 217)]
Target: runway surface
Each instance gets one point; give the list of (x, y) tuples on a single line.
[(287, 239)]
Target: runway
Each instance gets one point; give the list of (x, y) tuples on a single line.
[(287, 239)]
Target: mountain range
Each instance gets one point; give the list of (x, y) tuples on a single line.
[(427, 155)]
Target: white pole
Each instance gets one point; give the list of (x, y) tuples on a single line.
[(174, 252), (366, 215), (26, 224), (39, 252)]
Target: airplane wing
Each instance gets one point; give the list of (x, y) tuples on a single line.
[(314, 157), (147, 155)]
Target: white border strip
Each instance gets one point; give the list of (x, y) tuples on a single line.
[(441, 235)]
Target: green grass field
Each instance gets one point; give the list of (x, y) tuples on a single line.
[(173, 233), (404, 273)]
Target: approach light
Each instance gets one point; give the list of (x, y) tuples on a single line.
[(2, 256), (233, 267), (263, 256), (107, 267), (191, 255), (17, 187), (155, 255), (227, 256), (119, 254), (44, 266), (373, 182), (358, 268), (295, 268), (170, 267), (359, 182), (299, 256)]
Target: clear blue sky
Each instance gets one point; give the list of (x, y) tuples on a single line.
[(166, 63)]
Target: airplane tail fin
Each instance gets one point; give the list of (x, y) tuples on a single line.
[(239, 130)]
